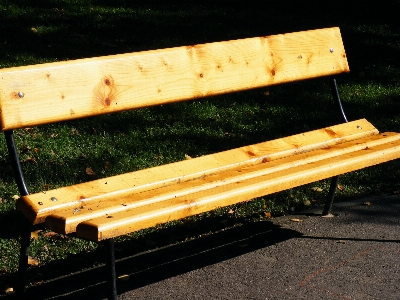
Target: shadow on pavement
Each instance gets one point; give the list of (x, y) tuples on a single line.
[(162, 263)]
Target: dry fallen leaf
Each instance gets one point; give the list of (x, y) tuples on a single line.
[(317, 189), (340, 187), (32, 159), (367, 203), (296, 220), (9, 290), (267, 214), (231, 212), (15, 197), (307, 202), (35, 234), (107, 165), (32, 261), (50, 234), (187, 156), (124, 277), (33, 29), (89, 171), (74, 131)]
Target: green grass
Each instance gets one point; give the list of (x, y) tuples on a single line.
[(58, 155)]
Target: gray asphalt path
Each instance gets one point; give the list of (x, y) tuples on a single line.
[(354, 255)]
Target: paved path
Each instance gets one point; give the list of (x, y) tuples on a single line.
[(355, 255)]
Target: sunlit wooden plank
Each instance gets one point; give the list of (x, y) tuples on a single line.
[(52, 92), (37, 206), (129, 220)]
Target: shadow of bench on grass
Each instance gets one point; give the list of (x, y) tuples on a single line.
[(155, 265)]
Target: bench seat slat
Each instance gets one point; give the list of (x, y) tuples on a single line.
[(37, 207), (61, 91), (65, 221), (224, 191)]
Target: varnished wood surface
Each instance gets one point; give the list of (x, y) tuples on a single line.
[(37, 207), (163, 200), (234, 186), (61, 91)]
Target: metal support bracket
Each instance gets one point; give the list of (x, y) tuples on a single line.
[(23, 190), (336, 98), (13, 153), (334, 180), (110, 269)]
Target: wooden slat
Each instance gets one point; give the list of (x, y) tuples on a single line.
[(37, 206), (165, 198), (68, 90), (227, 192)]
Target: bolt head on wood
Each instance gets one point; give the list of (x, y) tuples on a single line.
[(21, 94)]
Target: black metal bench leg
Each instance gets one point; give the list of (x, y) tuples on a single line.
[(331, 196), (110, 269), (23, 256)]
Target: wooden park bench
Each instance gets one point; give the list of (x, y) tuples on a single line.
[(103, 209)]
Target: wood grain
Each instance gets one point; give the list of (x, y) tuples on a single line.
[(37, 207), (232, 187), (65, 221), (62, 91)]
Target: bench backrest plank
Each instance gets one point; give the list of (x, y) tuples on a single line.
[(52, 92)]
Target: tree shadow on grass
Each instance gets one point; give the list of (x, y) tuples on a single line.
[(67, 30)]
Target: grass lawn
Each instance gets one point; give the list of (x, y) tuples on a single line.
[(59, 155)]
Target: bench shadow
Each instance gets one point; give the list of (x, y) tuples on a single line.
[(11, 224), (156, 265)]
